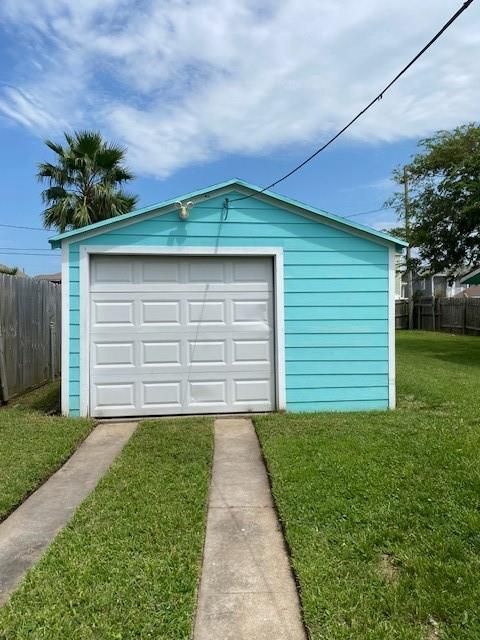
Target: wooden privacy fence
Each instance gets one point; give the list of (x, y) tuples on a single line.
[(454, 315), (401, 314), (30, 333)]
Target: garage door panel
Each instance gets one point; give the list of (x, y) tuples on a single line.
[(170, 343), (113, 313), (108, 271), (113, 395), (207, 392), (207, 352), (113, 354), (252, 390), (154, 271), (160, 353), (157, 394), (160, 312), (172, 287), (252, 351), (206, 312)]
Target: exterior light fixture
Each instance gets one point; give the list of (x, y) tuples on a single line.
[(184, 209)]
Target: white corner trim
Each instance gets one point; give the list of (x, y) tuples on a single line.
[(65, 329), (279, 328), (391, 328), (84, 348), (279, 331)]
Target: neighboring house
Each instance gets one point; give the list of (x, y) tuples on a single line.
[(473, 277), (222, 305), (429, 285), (399, 273), (56, 278), (472, 291)]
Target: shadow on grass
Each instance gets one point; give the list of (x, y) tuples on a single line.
[(45, 399), (446, 347)]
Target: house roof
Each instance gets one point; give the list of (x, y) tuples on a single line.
[(50, 277), (472, 278), (470, 292), (55, 241)]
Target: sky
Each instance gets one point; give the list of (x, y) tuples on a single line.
[(201, 91)]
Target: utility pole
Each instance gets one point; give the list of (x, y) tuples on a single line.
[(409, 254)]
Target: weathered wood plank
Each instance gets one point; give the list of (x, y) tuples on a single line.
[(28, 307)]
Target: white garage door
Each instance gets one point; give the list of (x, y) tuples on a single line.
[(180, 335)]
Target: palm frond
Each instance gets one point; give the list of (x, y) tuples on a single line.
[(84, 184)]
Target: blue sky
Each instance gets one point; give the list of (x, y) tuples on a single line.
[(204, 91)]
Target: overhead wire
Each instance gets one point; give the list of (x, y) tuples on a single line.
[(21, 253), (377, 98), (18, 226)]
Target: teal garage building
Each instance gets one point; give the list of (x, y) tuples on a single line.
[(220, 303)]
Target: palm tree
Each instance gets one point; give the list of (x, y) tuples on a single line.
[(85, 184)]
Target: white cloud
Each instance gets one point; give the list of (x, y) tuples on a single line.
[(182, 82)]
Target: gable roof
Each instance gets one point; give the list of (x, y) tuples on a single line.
[(471, 278), (55, 241)]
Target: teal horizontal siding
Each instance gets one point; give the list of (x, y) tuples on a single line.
[(336, 340), (336, 367), (336, 326), (260, 213), (74, 329), (339, 405), (334, 381), (232, 229), (308, 243), (343, 271), (344, 354), (75, 387), (336, 297), (336, 285), (327, 258), (339, 394), (336, 313)]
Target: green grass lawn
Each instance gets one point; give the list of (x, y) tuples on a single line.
[(128, 564), (34, 444), (382, 510)]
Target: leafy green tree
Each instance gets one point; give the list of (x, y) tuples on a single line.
[(444, 199), (85, 183)]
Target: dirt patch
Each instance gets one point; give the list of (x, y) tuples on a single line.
[(388, 568), (433, 630)]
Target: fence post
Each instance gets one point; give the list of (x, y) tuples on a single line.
[(433, 314), (3, 372), (52, 350)]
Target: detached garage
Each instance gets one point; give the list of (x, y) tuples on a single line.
[(217, 303)]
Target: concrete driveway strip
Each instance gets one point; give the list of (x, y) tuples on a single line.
[(27, 532), (247, 590)]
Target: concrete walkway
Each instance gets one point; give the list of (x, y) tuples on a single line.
[(247, 591), (27, 532)]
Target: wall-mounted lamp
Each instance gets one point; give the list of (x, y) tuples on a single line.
[(184, 209)]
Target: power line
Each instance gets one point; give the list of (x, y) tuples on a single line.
[(439, 33), (26, 249), (364, 213), (40, 255), (17, 226)]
